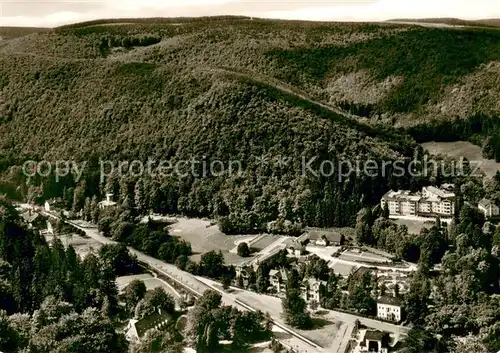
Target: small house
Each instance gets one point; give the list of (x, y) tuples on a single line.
[(325, 238), (489, 208), (136, 329), (278, 280), (374, 341), (311, 289)]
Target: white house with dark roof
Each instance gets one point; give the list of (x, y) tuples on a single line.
[(431, 201), (389, 308), (278, 280), (489, 208), (322, 237), (311, 289), (373, 341)]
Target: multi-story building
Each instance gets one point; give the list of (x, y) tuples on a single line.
[(431, 201), (389, 308), (311, 289), (278, 280)]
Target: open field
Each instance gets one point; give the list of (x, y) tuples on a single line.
[(464, 149), (342, 269), (150, 282), (414, 226), (205, 237), (124, 281)]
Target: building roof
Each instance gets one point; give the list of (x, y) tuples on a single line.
[(331, 236), (440, 192), (107, 203), (375, 335), (486, 203), (405, 195), (30, 216), (401, 195), (388, 300), (311, 281), (151, 321), (279, 273), (448, 187)]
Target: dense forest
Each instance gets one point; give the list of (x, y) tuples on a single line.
[(262, 93), (122, 109), (51, 299)]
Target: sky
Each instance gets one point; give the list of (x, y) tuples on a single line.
[(50, 13)]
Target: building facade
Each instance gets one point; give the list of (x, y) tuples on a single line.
[(311, 289), (430, 202), (389, 308), (278, 280), (489, 208), (373, 341)]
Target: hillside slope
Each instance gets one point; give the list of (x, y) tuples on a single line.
[(235, 89)]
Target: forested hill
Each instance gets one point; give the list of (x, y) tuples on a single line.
[(256, 91), (396, 73)]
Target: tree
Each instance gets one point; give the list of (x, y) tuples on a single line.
[(419, 340), (262, 280), (360, 288), (243, 249), (159, 341), (294, 309), (200, 330), (134, 292), (119, 259), (8, 336), (385, 211), (212, 264), (314, 305), (104, 226), (226, 282), (155, 301), (95, 211)]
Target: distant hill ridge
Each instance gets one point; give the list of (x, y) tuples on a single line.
[(492, 22)]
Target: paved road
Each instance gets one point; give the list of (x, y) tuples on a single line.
[(197, 285), (266, 303)]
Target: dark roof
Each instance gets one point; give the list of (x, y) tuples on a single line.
[(486, 203), (375, 335), (389, 300), (328, 235), (150, 321), (30, 216)]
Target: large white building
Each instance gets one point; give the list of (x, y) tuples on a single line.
[(431, 201), (389, 308)]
